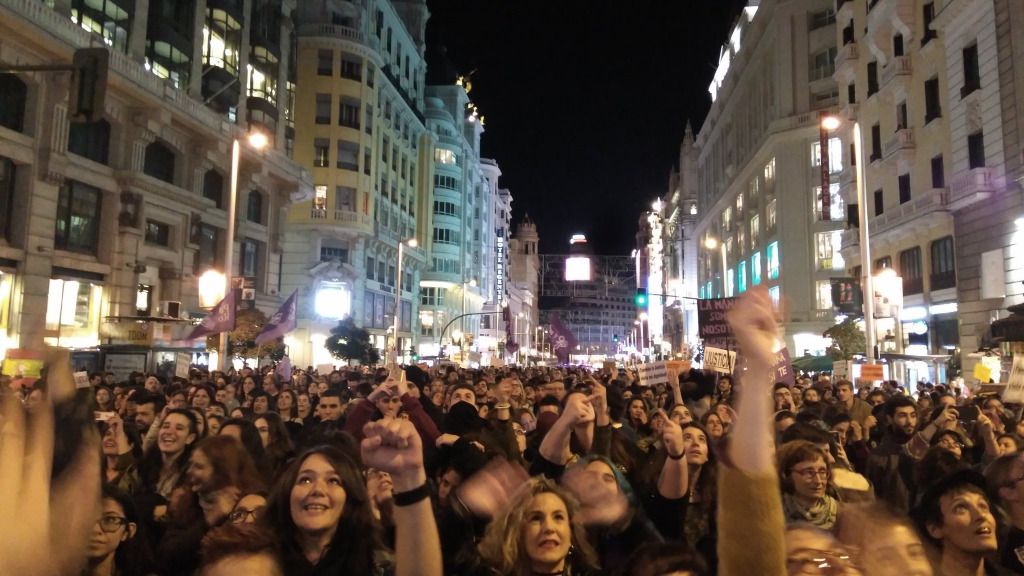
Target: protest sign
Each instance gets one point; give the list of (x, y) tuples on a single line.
[(719, 360), (1014, 391), (653, 373), (712, 322), (783, 371)]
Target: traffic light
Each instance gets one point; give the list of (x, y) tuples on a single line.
[(641, 298), (415, 356), (89, 84), (615, 338)]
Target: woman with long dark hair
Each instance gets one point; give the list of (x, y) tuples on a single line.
[(277, 442), (116, 546), (322, 513)]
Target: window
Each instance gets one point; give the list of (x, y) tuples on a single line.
[(158, 233), (7, 173), (348, 155), (325, 62), (345, 198), (371, 268), (367, 160), (943, 264), (872, 78), (446, 236), (447, 182), (876, 142), (772, 253), (442, 156), (222, 41), (976, 150), (823, 291), (879, 202), (320, 199), (368, 119), (159, 162), (769, 213), (775, 293), (848, 37), (851, 93), (78, 217), (446, 208), (109, 19), (769, 172), (910, 270), (143, 300), (73, 311), (741, 277), (938, 172), (897, 45), (352, 68), (901, 116), (883, 263), (755, 269), (446, 265), (836, 206), (369, 74), (727, 219), (321, 152), (323, 108), (13, 95), (250, 254), (972, 71), (262, 71), (90, 140), (755, 230), (904, 184), (828, 256), (932, 102), (823, 64), (213, 187), (929, 16), (822, 19), (835, 155), (207, 238), (329, 253), (254, 207), (348, 112)]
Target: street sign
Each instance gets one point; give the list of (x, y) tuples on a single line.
[(719, 360)]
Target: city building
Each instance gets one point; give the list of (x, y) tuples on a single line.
[(983, 75), (360, 130), (681, 280), (107, 225), (892, 81), (521, 316), (600, 310), (760, 217), (495, 256)]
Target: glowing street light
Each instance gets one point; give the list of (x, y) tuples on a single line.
[(411, 243), (211, 288)]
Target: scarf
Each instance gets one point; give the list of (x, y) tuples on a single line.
[(821, 514)]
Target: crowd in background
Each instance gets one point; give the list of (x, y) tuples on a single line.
[(515, 471)]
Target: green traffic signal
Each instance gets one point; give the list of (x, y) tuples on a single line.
[(641, 297)]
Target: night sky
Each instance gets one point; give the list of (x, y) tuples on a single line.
[(585, 102)]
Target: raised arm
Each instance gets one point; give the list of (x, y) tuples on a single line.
[(673, 482), (555, 447)]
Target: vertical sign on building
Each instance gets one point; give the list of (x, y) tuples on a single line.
[(824, 159)]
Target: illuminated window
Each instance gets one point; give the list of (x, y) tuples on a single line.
[(727, 219), (709, 290), (262, 70), (78, 217), (769, 213), (828, 256), (222, 39), (741, 240), (739, 205), (755, 230), (769, 171), (836, 207), (320, 199), (835, 155), (729, 285), (755, 269), (773, 260), (73, 312), (110, 19), (774, 293), (742, 277), (823, 290), (443, 156)]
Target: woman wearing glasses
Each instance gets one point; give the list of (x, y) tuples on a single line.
[(804, 475), (115, 544)]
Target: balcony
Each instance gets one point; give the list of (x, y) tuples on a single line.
[(351, 217), (970, 187), (846, 61), (902, 141), (920, 212), (318, 213), (331, 31), (897, 67)]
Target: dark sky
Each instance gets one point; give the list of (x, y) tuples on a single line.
[(585, 102)]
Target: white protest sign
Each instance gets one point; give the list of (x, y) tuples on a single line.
[(81, 379), (1014, 391), (653, 373), (719, 360)]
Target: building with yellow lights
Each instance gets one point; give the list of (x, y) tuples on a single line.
[(107, 225)]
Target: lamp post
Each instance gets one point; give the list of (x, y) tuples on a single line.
[(411, 242), (258, 141), (864, 234)]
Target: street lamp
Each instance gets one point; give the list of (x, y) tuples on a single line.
[(211, 288), (258, 141), (867, 288), (412, 243), (712, 243)]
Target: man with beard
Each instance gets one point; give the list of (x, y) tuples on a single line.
[(890, 467)]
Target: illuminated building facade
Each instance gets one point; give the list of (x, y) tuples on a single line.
[(680, 248), (115, 220), (360, 130), (758, 168)]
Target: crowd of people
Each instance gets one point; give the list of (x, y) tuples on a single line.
[(510, 471)]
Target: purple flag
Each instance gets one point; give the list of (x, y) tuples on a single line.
[(562, 339), (220, 319), (282, 322), (284, 369)]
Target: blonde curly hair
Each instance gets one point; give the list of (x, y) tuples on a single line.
[(502, 549)]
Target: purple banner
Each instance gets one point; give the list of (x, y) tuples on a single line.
[(220, 319), (562, 339)]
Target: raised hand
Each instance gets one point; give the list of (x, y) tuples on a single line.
[(754, 326), (394, 446), (671, 435), (385, 389), (579, 409), (489, 491)]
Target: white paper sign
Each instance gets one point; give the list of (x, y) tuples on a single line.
[(719, 360), (1014, 391), (653, 373), (81, 379)]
